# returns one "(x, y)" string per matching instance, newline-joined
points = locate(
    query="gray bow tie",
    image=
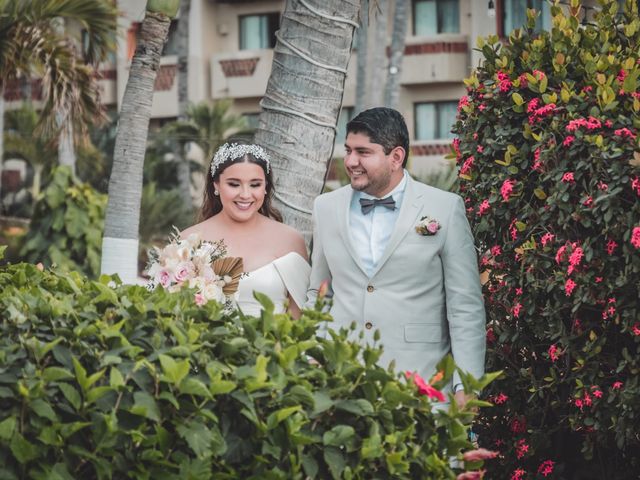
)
(367, 204)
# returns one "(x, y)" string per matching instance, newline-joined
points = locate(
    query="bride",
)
(237, 210)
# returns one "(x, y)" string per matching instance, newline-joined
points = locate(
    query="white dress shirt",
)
(370, 233)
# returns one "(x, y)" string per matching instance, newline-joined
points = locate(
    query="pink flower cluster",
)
(536, 113)
(507, 189)
(467, 166)
(635, 237)
(504, 82)
(624, 132)
(590, 124)
(518, 474)
(569, 139)
(463, 102)
(547, 238)
(568, 178)
(635, 185)
(537, 164)
(553, 353)
(484, 207)
(521, 448)
(546, 468)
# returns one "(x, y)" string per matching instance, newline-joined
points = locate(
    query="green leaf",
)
(192, 386)
(23, 450)
(71, 394)
(7, 426)
(3, 249)
(95, 394)
(43, 409)
(115, 378)
(338, 435)
(174, 371)
(360, 407)
(53, 374)
(197, 436)
(279, 415)
(146, 406)
(372, 447)
(335, 461)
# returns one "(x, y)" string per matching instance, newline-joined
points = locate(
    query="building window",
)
(258, 31)
(431, 17)
(346, 114)
(515, 15)
(434, 120)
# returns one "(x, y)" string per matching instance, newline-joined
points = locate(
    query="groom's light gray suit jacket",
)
(424, 294)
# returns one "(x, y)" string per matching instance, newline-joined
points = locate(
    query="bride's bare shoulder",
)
(289, 238)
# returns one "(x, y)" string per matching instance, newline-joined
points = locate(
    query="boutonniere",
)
(427, 226)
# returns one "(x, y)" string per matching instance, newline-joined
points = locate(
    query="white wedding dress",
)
(286, 275)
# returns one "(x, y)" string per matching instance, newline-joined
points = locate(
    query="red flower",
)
(553, 353)
(611, 247)
(516, 310)
(597, 393)
(467, 166)
(500, 399)
(484, 207)
(546, 238)
(496, 250)
(636, 329)
(480, 148)
(617, 385)
(621, 75)
(603, 186)
(518, 474)
(507, 189)
(424, 388)
(546, 468)
(518, 425)
(491, 336)
(588, 201)
(635, 237)
(635, 185)
(624, 132)
(568, 178)
(521, 448)
(463, 102)
(568, 140)
(569, 286)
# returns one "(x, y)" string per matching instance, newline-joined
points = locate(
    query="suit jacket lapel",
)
(407, 219)
(343, 211)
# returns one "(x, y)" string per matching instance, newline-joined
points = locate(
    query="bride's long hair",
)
(211, 204)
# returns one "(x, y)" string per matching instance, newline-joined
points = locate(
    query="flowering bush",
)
(553, 195)
(197, 264)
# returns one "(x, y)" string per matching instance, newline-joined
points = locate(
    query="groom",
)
(399, 256)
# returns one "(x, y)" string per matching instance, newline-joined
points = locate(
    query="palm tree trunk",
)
(378, 57)
(66, 146)
(37, 182)
(184, 173)
(1, 143)
(120, 241)
(303, 98)
(400, 20)
(362, 49)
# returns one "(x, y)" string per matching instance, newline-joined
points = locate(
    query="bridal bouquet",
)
(194, 263)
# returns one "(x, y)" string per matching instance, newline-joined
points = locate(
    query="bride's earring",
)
(216, 193)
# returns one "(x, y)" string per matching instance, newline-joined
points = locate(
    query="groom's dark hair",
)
(384, 126)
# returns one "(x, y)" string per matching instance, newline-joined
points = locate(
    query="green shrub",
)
(549, 168)
(66, 226)
(102, 382)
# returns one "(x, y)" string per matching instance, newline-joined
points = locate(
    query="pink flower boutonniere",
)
(427, 226)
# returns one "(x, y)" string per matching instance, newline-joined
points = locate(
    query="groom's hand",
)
(462, 398)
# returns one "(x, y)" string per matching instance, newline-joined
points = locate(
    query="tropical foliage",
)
(120, 382)
(66, 226)
(549, 165)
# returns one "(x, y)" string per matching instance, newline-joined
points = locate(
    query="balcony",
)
(437, 59)
(242, 74)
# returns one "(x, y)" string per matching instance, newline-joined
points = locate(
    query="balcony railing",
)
(241, 74)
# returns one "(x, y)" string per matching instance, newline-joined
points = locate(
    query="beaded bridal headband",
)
(230, 151)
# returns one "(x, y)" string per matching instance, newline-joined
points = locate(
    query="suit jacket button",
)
(370, 288)
(368, 325)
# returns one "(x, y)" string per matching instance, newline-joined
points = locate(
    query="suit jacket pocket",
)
(423, 333)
